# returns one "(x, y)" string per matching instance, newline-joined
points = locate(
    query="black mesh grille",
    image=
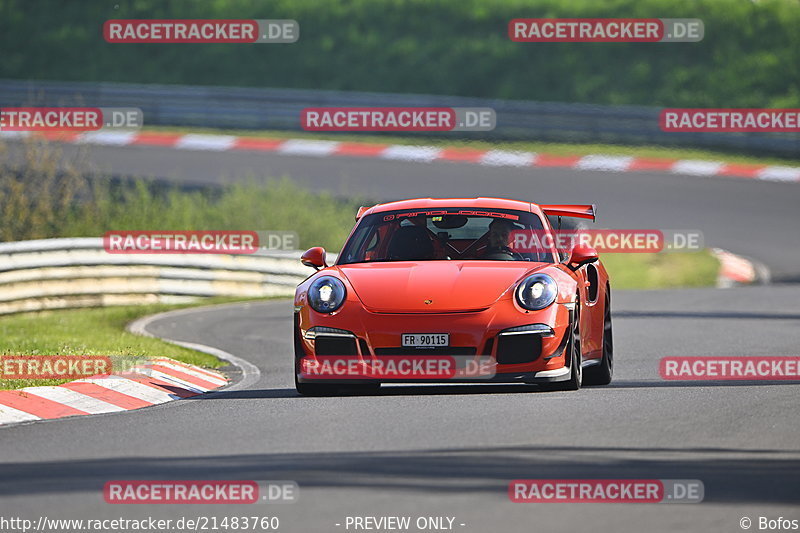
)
(514, 349)
(335, 346)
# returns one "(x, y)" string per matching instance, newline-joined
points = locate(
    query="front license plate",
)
(425, 340)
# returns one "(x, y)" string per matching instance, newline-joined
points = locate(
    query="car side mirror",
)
(581, 255)
(314, 257)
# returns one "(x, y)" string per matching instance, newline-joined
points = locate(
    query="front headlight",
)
(537, 292)
(326, 294)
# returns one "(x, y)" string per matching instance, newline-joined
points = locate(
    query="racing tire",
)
(602, 373)
(575, 358)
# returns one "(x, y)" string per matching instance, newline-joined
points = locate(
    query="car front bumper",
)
(525, 346)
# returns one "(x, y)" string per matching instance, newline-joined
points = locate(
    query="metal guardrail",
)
(279, 109)
(65, 273)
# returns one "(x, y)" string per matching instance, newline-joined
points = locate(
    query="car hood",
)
(446, 286)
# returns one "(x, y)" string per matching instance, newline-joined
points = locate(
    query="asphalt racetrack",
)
(452, 450)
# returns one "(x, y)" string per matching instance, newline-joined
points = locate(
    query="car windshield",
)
(441, 235)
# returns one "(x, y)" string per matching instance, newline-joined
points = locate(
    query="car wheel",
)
(573, 357)
(602, 373)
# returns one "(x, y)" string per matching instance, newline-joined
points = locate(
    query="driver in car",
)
(499, 238)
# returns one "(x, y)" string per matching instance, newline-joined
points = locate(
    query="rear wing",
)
(579, 211)
(361, 211)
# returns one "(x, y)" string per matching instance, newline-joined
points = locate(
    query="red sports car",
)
(440, 290)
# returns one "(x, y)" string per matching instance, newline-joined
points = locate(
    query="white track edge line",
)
(250, 372)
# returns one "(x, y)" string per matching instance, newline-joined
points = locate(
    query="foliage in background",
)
(750, 56)
(34, 204)
(43, 202)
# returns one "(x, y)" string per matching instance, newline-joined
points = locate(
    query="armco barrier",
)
(63, 273)
(279, 109)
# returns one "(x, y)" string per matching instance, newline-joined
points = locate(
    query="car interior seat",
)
(410, 243)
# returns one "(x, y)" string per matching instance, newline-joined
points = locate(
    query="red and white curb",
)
(737, 270)
(425, 154)
(157, 381)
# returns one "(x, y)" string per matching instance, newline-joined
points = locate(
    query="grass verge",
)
(99, 331)
(662, 271)
(563, 149)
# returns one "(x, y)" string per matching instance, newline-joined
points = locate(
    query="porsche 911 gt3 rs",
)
(436, 279)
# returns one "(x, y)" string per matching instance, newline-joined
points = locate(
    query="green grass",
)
(564, 149)
(91, 332)
(662, 270)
